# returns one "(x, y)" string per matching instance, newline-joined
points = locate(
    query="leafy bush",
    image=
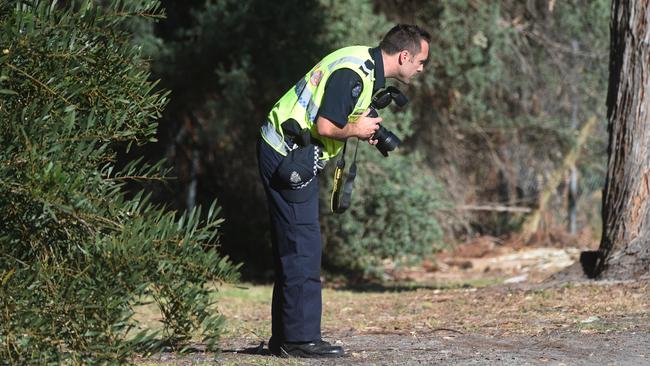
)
(392, 215)
(76, 253)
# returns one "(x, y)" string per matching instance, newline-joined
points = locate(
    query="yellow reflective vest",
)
(303, 100)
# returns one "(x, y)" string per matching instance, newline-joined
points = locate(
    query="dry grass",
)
(472, 301)
(487, 310)
(522, 312)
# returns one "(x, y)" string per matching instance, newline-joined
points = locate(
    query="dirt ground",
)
(483, 304)
(556, 348)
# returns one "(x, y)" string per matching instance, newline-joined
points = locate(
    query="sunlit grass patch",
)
(247, 309)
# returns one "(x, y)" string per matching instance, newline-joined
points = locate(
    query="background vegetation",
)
(490, 122)
(95, 93)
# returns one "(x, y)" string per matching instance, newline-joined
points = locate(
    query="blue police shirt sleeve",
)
(341, 94)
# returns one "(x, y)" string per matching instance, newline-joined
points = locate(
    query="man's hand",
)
(363, 128)
(367, 126)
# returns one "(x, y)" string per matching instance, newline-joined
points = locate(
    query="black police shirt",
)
(343, 89)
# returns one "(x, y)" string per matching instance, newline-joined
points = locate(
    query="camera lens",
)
(387, 141)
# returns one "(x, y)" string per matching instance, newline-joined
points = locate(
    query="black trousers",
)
(295, 231)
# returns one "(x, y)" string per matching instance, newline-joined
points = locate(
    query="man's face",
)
(411, 64)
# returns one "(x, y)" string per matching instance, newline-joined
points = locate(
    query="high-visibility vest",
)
(303, 100)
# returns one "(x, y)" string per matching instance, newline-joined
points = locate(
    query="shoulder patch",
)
(356, 91)
(315, 77)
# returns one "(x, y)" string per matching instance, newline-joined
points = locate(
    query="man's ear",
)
(403, 56)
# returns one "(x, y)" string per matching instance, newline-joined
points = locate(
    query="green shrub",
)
(392, 215)
(77, 254)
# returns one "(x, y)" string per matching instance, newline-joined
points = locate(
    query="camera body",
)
(386, 140)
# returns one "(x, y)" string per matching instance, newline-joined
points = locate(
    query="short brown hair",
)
(404, 37)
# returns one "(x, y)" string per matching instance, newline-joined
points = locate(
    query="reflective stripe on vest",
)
(303, 100)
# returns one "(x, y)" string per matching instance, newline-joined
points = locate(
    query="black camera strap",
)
(341, 198)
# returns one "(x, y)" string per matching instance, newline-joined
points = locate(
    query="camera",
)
(386, 140)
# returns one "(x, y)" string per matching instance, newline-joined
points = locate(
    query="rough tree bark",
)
(624, 251)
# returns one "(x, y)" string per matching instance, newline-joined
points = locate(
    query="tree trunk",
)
(624, 251)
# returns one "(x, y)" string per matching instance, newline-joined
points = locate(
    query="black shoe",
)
(315, 349)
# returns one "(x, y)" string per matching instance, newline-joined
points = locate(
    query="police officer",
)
(304, 129)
